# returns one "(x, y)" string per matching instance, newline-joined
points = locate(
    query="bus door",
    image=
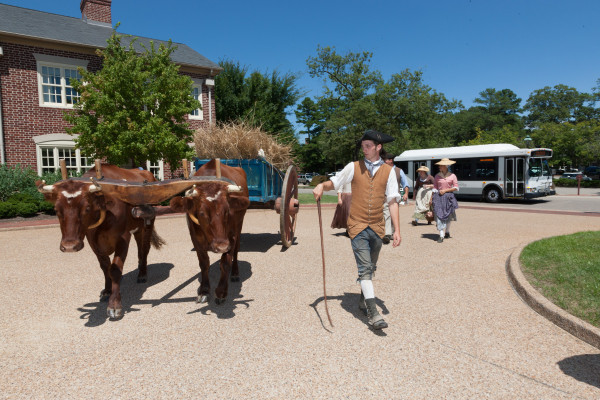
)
(514, 176)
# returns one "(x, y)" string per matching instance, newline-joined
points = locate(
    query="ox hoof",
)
(235, 279)
(203, 298)
(219, 301)
(142, 279)
(114, 313)
(104, 295)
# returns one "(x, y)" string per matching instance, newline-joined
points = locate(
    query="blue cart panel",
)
(264, 180)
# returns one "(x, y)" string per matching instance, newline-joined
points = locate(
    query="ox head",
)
(209, 207)
(79, 206)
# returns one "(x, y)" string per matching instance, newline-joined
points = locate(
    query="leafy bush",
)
(46, 207)
(318, 179)
(8, 210)
(26, 209)
(16, 180)
(564, 182)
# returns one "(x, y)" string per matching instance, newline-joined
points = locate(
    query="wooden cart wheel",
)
(289, 206)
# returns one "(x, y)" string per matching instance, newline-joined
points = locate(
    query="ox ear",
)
(49, 191)
(239, 202)
(178, 204)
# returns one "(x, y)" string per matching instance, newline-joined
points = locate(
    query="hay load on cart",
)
(263, 159)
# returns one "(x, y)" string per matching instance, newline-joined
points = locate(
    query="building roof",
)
(41, 25)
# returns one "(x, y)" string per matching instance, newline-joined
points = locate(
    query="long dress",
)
(340, 217)
(423, 198)
(444, 206)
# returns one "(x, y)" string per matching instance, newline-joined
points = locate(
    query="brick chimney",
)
(96, 10)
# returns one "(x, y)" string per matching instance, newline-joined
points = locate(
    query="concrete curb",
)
(575, 326)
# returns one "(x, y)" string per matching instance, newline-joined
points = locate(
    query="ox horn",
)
(95, 187)
(234, 188)
(100, 221)
(193, 218)
(191, 192)
(43, 188)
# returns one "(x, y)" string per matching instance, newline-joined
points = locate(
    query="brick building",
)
(39, 54)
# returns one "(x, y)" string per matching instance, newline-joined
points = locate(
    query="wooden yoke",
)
(63, 169)
(186, 169)
(218, 168)
(98, 169)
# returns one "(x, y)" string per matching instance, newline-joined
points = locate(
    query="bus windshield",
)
(539, 167)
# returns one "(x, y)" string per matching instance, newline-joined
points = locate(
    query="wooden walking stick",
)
(323, 257)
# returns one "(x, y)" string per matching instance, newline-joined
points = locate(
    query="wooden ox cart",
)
(268, 187)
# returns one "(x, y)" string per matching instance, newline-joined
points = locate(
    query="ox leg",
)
(142, 238)
(115, 308)
(105, 265)
(222, 288)
(204, 289)
(235, 270)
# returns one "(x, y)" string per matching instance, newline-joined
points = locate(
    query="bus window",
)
(535, 167)
(462, 169)
(486, 169)
(546, 171)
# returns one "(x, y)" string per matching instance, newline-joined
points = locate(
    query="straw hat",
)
(445, 161)
(423, 168)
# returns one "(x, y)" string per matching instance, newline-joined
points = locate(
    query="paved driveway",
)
(457, 329)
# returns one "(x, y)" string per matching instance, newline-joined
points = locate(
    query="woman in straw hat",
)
(444, 202)
(424, 185)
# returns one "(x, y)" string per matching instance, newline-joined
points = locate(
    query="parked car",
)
(593, 172)
(573, 175)
(305, 179)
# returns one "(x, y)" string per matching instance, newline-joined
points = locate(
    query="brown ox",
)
(215, 214)
(83, 210)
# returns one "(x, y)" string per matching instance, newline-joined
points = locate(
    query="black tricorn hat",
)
(376, 137)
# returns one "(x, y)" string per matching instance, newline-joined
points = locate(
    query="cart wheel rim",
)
(287, 219)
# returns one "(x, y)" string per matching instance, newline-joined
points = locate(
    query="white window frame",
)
(197, 84)
(45, 60)
(55, 142)
(161, 169)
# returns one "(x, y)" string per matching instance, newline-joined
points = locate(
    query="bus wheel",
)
(492, 195)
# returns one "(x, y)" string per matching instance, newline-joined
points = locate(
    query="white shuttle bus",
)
(490, 171)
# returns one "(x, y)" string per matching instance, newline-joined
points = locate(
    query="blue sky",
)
(462, 46)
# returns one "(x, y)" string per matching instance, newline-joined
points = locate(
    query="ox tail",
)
(156, 241)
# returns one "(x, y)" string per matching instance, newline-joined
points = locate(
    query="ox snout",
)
(71, 246)
(220, 246)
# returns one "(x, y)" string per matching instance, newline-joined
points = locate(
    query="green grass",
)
(566, 270)
(308, 198)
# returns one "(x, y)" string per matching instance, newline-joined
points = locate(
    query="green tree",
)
(134, 108)
(257, 98)
(559, 104)
(574, 144)
(494, 116)
(357, 98)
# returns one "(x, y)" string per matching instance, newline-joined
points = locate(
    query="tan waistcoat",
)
(368, 196)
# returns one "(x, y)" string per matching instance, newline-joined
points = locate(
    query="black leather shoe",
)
(386, 239)
(447, 235)
(440, 239)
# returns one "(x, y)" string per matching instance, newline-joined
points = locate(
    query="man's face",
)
(370, 150)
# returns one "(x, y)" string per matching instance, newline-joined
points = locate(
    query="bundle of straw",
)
(239, 140)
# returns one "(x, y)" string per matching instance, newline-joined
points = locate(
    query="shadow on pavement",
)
(227, 309)
(585, 368)
(259, 242)
(131, 293)
(430, 236)
(349, 302)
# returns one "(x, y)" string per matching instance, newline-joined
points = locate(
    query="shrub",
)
(27, 209)
(318, 179)
(47, 208)
(15, 180)
(8, 210)
(564, 182)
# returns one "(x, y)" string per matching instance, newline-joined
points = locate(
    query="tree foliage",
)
(256, 98)
(134, 108)
(559, 104)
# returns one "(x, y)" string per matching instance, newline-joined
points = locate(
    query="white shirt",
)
(347, 175)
